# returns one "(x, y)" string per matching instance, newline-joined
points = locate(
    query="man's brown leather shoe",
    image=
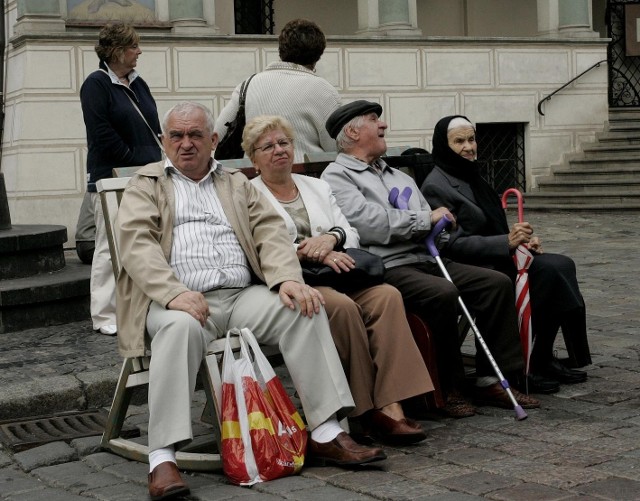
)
(342, 451)
(165, 482)
(400, 432)
(496, 396)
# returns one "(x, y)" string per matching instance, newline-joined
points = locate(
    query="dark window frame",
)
(501, 155)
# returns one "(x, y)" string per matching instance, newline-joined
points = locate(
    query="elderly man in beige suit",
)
(202, 251)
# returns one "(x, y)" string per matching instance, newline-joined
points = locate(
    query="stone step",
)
(604, 176)
(604, 162)
(542, 205)
(618, 137)
(614, 199)
(611, 150)
(590, 179)
(30, 249)
(621, 174)
(624, 113)
(581, 185)
(46, 299)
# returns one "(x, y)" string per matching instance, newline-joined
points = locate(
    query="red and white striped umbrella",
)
(522, 259)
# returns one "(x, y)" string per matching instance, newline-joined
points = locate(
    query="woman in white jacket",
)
(369, 326)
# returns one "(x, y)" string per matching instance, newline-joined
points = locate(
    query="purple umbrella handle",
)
(435, 231)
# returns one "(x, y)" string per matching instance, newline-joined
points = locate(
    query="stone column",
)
(574, 19)
(388, 17)
(188, 16)
(565, 19)
(39, 16)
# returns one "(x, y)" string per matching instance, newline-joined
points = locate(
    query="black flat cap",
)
(345, 113)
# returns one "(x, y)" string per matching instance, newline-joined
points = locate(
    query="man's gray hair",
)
(185, 108)
(344, 142)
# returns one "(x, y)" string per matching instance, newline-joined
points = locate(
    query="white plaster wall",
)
(417, 81)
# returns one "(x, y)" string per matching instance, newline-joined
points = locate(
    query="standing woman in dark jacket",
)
(114, 101)
(482, 237)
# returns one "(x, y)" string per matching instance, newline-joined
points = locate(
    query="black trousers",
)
(488, 294)
(556, 303)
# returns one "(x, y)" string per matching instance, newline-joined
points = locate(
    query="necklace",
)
(288, 196)
(296, 194)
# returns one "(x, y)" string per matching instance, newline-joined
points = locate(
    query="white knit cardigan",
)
(294, 92)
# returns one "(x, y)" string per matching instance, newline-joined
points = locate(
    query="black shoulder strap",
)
(243, 90)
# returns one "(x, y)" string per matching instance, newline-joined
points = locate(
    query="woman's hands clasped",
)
(316, 249)
(522, 233)
(339, 261)
(320, 250)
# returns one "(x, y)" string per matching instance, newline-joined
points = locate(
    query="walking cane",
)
(400, 201)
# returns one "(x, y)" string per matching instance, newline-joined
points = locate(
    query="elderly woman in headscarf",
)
(483, 237)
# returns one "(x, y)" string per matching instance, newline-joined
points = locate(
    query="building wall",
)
(417, 83)
(417, 80)
(477, 18)
(323, 13)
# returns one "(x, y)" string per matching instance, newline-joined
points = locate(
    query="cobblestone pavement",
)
(582, 444)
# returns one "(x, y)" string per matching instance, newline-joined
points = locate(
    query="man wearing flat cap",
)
(361, 182)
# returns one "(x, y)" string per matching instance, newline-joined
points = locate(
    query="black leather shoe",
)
(559, 372)
(534, 383)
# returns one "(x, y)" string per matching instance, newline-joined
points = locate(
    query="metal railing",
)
(548, 98)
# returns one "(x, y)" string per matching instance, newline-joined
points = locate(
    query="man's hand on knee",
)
(307, 297)
(193, 303)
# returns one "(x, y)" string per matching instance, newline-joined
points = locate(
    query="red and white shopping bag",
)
(263, 436)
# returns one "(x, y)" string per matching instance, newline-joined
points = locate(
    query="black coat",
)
(116, 133)
(556, 300)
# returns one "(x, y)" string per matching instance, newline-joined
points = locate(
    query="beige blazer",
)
(145, 227)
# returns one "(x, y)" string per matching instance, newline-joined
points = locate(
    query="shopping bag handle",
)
(247, 338)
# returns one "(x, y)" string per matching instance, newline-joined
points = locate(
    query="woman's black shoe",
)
(537, 384)
(554, 369)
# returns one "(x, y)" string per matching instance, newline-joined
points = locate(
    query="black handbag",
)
(230, 145)
(369, 271)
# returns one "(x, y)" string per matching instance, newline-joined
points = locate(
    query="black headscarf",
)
(469, 171)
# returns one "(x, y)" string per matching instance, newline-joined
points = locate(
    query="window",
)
(501, 155)
(253, 17)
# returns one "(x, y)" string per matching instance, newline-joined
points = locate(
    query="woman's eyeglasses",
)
(270, 147)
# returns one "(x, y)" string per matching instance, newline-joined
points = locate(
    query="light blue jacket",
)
(362, 193)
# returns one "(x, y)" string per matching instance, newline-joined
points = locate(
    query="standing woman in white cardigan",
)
(368, 326)
(291, 88)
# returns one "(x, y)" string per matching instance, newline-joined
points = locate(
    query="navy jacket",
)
(116, 134)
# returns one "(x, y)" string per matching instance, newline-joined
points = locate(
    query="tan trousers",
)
(376, 347)
(178, 344)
